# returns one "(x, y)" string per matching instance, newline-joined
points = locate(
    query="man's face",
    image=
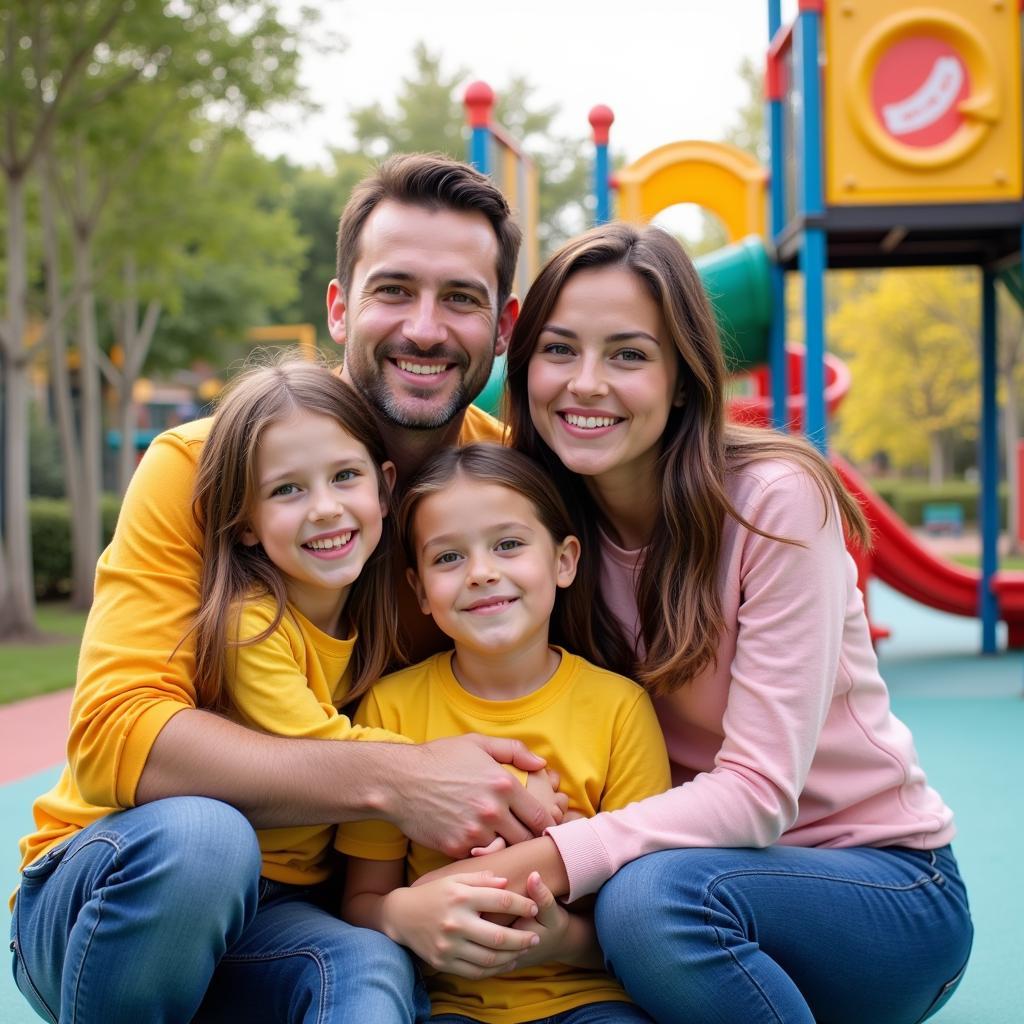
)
(419, 321)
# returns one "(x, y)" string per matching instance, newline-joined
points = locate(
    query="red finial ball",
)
(601, 118)
(478, 100)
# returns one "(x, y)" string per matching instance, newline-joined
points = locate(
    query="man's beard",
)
(395, 411)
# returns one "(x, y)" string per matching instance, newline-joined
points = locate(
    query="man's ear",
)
(417, 589)
(506, 321)
(568, 559)
(336, 312)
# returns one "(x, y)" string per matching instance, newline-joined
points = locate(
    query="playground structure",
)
(895, 141)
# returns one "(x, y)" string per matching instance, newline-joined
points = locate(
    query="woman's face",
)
(604, 377)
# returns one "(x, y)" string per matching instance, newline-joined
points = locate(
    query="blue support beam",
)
(479, 149)
(777, 363)
(988, 607)
(813, 251)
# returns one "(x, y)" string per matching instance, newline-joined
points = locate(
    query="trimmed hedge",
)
(51, 541)
(909, 497)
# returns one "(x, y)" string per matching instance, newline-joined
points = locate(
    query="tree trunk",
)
(936, 458)
(90, 420)
(60, 387)
(18, 600)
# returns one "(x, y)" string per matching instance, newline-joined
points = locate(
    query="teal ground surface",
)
(967, 715)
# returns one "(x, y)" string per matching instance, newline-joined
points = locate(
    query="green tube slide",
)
(737, 280)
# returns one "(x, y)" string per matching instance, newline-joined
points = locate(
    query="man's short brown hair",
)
(433, 182)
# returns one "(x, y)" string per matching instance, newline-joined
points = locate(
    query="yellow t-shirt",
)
(147, 594)
(597, 729)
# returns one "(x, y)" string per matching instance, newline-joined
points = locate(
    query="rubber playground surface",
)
(967, 715)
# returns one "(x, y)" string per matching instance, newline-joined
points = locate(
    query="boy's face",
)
(487, 568)
(419, 320)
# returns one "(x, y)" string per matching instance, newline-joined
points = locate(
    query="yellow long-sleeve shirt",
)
(147, 593)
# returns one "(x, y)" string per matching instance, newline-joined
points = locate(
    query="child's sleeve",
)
(269, 690)
(638, 767)
(371, 840)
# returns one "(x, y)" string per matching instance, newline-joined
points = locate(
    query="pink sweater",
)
(789, 739)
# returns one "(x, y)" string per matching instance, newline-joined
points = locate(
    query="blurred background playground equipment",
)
(895, 141)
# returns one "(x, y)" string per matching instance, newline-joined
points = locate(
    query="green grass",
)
(1015, 562)
(27, 670)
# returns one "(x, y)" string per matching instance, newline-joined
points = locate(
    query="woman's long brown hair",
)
(677, 593)
(225, 495)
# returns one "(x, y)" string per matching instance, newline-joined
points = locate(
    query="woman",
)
(800, 868)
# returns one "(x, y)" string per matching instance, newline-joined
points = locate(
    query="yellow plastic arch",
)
(714, 175)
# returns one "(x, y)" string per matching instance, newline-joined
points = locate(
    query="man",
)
(126, 916)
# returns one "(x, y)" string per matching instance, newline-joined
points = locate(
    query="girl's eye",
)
(509, 544)
(344, 475)
(557, 348)
(447, 558)
(283, 490)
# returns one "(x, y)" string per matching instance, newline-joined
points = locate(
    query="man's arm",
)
(450, 795)
(136, 735)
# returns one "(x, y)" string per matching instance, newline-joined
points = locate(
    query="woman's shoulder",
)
(752, 480)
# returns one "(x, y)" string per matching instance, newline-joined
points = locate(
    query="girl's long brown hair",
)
(677, 594)
(506, 467)
(225, 495)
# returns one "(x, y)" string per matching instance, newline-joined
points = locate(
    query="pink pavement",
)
(35, 734)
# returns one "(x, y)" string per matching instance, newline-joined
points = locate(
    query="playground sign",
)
(929, 93)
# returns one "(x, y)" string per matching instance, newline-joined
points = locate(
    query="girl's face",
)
(317, 511)
(487, 569)
(604, 376)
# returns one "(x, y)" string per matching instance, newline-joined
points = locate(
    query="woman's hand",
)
(441, 922)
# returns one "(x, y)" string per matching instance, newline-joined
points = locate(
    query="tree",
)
(74, 104)
(429, 116)
(912, 347)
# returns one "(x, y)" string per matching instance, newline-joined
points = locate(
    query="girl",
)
(800, 869)
(490, 542)
(296, 619)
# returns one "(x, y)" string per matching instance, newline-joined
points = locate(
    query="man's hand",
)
(457, 796)
(544, 786)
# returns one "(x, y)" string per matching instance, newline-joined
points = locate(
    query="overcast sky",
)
(667, 69)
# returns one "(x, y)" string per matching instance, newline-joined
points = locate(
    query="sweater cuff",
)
(137, 745)
(586, 860)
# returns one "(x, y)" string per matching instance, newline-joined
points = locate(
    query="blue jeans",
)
(134, 917)
(606, 1012)
(787, 935)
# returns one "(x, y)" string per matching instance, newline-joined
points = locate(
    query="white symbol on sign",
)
(933, 99)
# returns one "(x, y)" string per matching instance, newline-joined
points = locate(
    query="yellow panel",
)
(718, 177)
(922, 102)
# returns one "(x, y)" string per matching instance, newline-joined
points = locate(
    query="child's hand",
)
(441, 922)
(551, 924)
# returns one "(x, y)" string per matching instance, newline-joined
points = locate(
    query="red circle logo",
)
(916, 91)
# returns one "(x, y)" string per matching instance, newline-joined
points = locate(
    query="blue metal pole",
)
(988, 606)
(479, 149)
(602, 190)
(813, 250)
(777, 362)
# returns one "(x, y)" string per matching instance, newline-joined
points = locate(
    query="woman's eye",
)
(510, 544)
(557, 348)
(631, 355)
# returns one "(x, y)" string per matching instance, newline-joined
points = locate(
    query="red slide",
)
(897, 558)
(900, 560)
